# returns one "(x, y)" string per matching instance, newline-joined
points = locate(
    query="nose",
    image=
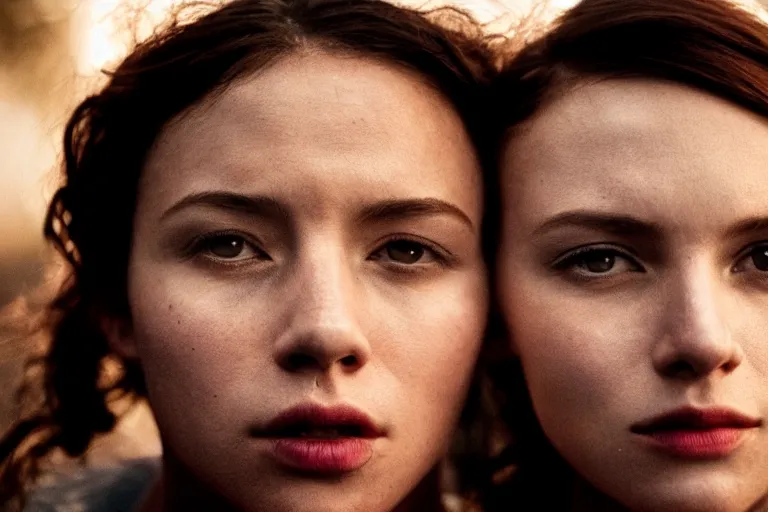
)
(322, 330)
(696, 340)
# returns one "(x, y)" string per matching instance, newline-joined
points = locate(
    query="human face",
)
(634, 282)
(310, 238)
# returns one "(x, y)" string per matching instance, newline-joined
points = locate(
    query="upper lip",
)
(692, 418)
(293, 421)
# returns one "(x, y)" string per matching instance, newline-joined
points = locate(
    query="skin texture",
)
(673, 312)
(314, 300)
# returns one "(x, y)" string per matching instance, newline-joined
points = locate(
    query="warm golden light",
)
(113, 25)
(756, 7)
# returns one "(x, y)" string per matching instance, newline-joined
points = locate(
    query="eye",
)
(755, 258)
(597, 262)
(229, 247)
(405, 252)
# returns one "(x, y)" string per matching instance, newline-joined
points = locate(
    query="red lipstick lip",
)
(691, 418)
(316, 416)
(690, 432)
(348, 448)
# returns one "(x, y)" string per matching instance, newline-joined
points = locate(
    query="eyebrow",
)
(399, 209)
(262, 206)
(269, 207)
(747, 226)
(600, 221)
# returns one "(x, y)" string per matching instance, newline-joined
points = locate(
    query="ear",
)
(119, 334)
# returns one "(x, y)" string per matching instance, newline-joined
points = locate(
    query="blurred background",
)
(51, 55)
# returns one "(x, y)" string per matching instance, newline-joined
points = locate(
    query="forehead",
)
(648, 148)
(332, 120)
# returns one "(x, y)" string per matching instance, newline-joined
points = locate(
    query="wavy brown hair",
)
(106, 142)
(714, 46)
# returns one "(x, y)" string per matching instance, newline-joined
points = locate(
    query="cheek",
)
(195, 344)
(192, 338)
(583, 361)
(431, 350)
(563, 367)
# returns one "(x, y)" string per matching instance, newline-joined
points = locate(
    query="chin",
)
(315, 498)
(307, 505)
(700, 496)
(682, 503)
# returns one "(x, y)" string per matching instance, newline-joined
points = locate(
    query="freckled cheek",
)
(194, 343)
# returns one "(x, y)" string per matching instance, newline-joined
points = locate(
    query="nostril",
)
(300, 361)
(681, 370)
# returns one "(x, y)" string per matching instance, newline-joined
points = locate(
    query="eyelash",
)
(747, 253)
(442, 257)
(199, 245)
(568, 261)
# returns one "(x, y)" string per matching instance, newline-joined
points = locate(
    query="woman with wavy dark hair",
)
(272, 217)
(633, 261)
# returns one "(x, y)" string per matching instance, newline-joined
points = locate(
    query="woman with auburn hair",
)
(272, 217)
(632, 270)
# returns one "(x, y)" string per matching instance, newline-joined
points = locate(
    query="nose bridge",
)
(324, 286)
(696, 337)
(699, 305)
(322, 325)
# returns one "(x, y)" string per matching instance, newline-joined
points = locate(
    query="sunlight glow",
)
(110, 25)
(755, 7)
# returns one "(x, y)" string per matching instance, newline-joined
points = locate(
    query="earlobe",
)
(119, 334)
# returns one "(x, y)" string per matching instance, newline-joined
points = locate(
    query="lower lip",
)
(330, 456)
(711, 443)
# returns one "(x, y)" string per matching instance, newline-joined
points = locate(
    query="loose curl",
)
(106, 142)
